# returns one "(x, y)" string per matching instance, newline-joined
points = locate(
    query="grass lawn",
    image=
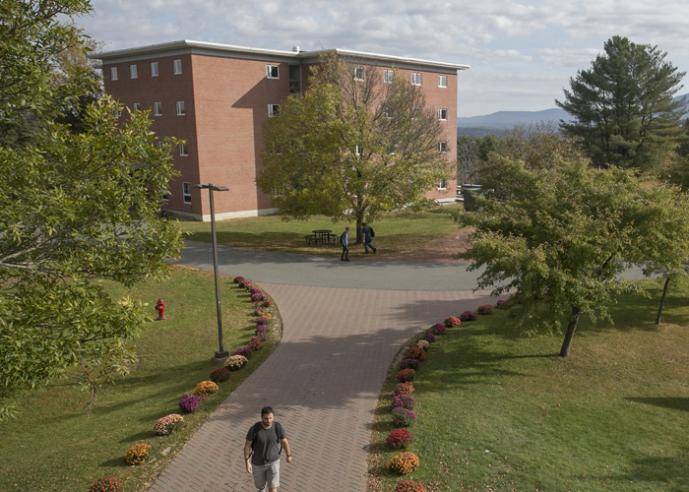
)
(55, 445)
(397, 233)
(498, 412)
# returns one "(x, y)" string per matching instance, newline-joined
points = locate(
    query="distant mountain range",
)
(501, 122)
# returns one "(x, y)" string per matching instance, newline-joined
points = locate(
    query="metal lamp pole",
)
(221, 353)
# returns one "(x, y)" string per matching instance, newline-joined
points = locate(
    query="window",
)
(113, 73)
(133, 72)
(183, 150)
(186, 192)
(177, 64)
(442, 114)
(442, 184)
(157, 109)
(442, 81)
(273, 110)
(136, 106)
(359, 73)
(387, 76)
(154, 69)
(180, 108)
(442, 146)
(272, 72)
(416, 78)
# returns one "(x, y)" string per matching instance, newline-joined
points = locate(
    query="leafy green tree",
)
(558, 237)
(351, 148)
(81, 193)
(623, 106)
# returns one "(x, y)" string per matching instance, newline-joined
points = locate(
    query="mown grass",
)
(500, 412)
(395, 233)
(55, 445)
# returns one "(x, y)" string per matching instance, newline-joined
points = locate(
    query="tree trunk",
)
(359, 230)
(571, 328)
(662, 299)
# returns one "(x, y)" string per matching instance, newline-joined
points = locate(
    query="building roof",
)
(216, 49)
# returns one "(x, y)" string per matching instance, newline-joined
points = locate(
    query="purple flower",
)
(244, 350)
(439, 329)
(429, 336)
(189, 403)
(409, 364)
(468, 316)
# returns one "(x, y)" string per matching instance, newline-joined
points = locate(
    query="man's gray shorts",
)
(268, 474)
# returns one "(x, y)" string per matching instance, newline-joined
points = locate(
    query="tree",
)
(623, 106)
(81, 199)
(557, 237)
(351, 148)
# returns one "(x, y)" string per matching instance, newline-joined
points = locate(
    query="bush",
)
(406, 375)
(106, 484)
(409, 364)
(244, 350)
(403, 401)
(398, 438)
(188, 403)
(410, 486)
(255, 343)
(404, 463)
(423, 344)
(415, 352)
(402, 417)
(206, 388)
(235, 362)
(219, 375)
(452, 321)
(468, 316)
(138, 453)
(166, 425)
(267, 303)
(239, 280)
(258, 297)
(261, 321)
(485, 309)
(429, 336)
(262, 332)
(404, 388)
(439, 329)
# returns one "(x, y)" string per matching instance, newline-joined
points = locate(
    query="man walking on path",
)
(264, 442)
(368, 238)
(344, 242)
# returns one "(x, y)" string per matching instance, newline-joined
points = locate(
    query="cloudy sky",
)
(521, 53)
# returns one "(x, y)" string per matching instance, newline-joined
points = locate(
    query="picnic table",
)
(321, 236)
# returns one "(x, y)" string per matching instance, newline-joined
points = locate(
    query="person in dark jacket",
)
(264, 443)
(368, 238)
(344, 242)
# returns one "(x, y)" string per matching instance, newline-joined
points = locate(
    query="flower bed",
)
(402, 417)
(166, 425)
(404, 388)
(423, 344)
(206, 388)
(138, 453)
(468, 316)
(106, 484)
(485, 309)
(244, 350)
(409, 364)
(410, 486)
(189, 403)
(452, 321)
(235, 362)
(404, 401)
(219, 375)
(399, 438)
(406, 375)
(439, 329)
(403, 463)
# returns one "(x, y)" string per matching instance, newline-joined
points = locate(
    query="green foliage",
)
(623, 106)
(351, 148)
(559, 237)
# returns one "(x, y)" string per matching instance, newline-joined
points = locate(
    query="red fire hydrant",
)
(160, 307)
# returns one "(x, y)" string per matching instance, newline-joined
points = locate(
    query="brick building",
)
(218, 97)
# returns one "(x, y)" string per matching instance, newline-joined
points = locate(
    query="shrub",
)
(406, 375)
(267, 303)
(468, 316)
(259, 312)
(484, 309)
(244, 350)
(262, 332)
(410, 486)
(206, 388)
(398, 438)
(235, 362)
(404, 463)
(439, 329)
(255, 343)
(219, 375)
(261, 321)
(190, 402)
(138, 453)
(409, 364)
(166, 425)
(423, 344)
(404, 388)
(255, 290)
(452, 321)
(257, 298)
(415, 352)
(429, 336)
(239, 280)
(403, 401)
(403, 417)
(106, 484)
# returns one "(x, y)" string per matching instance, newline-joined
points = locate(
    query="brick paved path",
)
(323, 381)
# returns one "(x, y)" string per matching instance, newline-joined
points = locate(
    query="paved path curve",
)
(343, 324)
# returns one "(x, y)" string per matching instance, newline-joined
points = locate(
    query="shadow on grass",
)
(139, 436)
(676, 403)
(114, 462)
(669, 473)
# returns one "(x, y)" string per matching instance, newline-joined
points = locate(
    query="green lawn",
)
(55, 445)
(498, 412)
(395, 233)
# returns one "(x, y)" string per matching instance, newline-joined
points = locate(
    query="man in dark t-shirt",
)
(264, 442)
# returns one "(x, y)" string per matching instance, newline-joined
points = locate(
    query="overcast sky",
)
(521, 54)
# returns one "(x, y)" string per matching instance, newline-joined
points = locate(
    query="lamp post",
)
(221, 353)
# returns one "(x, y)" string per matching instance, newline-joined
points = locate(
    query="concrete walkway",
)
(343, 324)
